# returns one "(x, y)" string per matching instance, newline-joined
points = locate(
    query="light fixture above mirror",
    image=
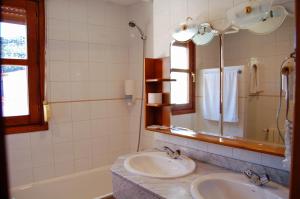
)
(200, 34)
(205, 34)
(249, 13)
(272, 23)
(186, 31)
(258, 16)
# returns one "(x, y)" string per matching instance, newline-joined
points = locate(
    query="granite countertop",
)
(177, 188)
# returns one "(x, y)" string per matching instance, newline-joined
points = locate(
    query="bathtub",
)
(92, 184)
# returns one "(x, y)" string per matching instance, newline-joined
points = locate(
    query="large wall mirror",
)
(252, 80)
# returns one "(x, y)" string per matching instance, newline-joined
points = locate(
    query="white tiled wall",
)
(82, 136)
(142, 15)
(90, 52)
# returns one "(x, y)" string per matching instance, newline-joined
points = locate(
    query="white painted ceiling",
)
(126, 2)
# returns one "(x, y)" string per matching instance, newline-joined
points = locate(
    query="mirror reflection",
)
(257, 83)
(207, 62)
(256, 73)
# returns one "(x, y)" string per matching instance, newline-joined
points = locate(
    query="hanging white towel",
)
(230, 96)
(254, 79)
(211, 94)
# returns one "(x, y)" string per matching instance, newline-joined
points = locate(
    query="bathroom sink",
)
(237, 186)
(159, 165)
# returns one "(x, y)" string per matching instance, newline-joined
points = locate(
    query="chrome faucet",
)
(172, 154)
(257, 179)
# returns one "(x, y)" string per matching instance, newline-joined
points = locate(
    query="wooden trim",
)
(18, 62)
(4, 187)
(295, 171)
(4, 193)
(41, 48)
(183, 110)
(231, 142)
(19, 120)
(26, 128)
(179, 109)
(17, 15)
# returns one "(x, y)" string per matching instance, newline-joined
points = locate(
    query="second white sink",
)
(234, 186)
(159, 165)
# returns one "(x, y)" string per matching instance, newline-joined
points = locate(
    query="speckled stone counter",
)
(127, 185)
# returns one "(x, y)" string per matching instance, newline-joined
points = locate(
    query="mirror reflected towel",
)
(230, 96)
(211, 93)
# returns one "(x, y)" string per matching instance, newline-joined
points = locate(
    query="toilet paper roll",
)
(155, 98)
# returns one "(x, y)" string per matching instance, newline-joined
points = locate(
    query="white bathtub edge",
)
(54, 179)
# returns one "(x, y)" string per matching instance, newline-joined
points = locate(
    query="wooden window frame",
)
(180, 109)
(35, 62)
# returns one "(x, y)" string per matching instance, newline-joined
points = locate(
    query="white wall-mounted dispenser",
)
(129, 88)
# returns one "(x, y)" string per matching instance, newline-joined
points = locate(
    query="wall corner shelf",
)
(157, 76)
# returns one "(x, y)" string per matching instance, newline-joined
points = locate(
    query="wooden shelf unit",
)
(155, 82)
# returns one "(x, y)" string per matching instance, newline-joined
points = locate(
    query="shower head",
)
(132, 24)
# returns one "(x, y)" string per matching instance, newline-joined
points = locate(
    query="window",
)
(22, 64)
(183, 70)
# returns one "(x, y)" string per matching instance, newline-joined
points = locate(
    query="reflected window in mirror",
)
(183, 70)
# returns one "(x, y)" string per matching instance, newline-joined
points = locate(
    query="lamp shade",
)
(203, 39)
(205, 34)
(274, 21)
(185, 32)
(249, 13)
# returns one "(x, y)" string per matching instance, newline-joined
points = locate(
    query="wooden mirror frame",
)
(295, 171)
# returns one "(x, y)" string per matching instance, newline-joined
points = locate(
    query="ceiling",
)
(126, 2)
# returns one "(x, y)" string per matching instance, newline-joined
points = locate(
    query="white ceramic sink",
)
(234, 186)
(159, 165)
